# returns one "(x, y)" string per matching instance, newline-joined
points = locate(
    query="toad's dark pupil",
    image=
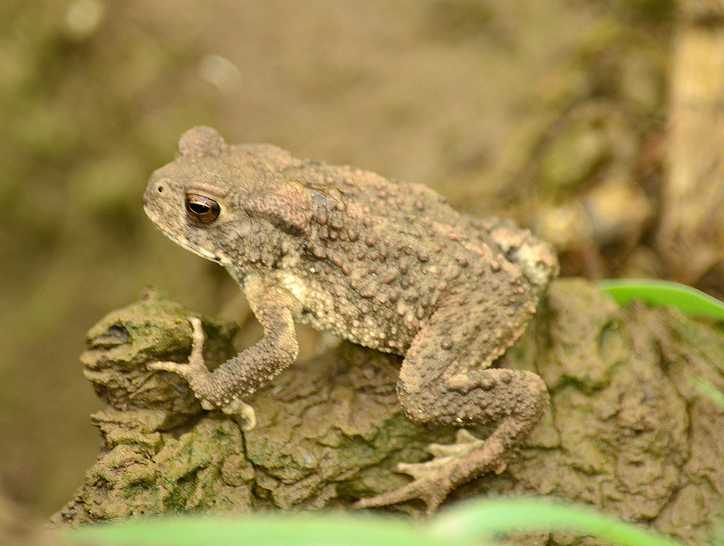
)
(199, 208)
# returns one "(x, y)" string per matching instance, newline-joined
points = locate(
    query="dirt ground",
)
(534, 109)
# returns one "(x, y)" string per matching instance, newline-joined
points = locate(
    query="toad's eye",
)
(201, 209)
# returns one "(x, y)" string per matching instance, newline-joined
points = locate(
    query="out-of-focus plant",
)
(688, 300)
(477, 522)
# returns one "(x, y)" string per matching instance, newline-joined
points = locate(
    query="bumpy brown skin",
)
(386, 265)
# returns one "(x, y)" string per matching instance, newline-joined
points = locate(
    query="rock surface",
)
(629, 430)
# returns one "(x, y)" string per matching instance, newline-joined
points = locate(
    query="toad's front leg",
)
(255, 366)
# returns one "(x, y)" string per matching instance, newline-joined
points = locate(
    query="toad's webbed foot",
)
(433, 480)
(199, 376)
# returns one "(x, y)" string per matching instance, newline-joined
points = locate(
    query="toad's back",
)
(381, 256)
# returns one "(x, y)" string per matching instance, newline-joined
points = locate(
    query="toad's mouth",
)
(150, 212)
(181, 239)
(199, 251)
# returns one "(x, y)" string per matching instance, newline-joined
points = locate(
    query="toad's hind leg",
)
(445, 379)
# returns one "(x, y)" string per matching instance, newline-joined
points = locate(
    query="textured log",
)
(628, 430)
(691, 237)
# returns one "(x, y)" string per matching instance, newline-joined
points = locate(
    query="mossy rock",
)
(628, 431)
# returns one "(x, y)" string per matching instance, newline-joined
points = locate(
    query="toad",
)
(387, 265)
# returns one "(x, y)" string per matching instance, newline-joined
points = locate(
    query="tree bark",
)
(628, 430)
(691, 235)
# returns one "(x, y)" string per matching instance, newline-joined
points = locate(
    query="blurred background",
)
(597, 123)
